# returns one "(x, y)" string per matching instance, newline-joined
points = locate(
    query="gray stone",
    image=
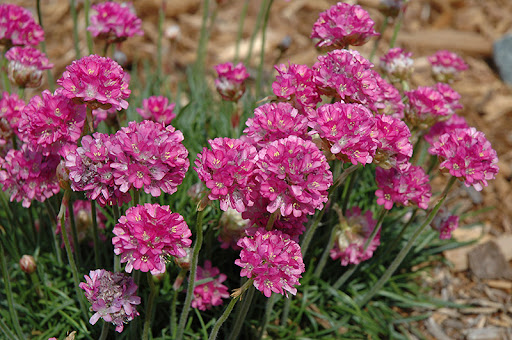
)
(503, 57)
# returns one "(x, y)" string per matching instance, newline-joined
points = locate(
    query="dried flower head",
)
(232, 227)
(26, 66)
(18, 27)
(230, 82)
(114, 22)
(158, 109)
(211, 293)
(397, 64)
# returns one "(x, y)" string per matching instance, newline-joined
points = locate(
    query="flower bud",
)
(185, 261)
(28, 264)
(63, 175)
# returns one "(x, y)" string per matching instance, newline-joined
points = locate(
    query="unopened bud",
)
(184, 262)
(28, 264)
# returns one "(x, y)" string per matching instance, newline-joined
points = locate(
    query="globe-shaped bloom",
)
(114, 22)
(26, 66)
(427, 106)
(18, 27)
(158, 109)
(446, 126)
(393, 146)
(211, 293)
(11, 107)
(397, 64)
(230, 82)
(446, 65)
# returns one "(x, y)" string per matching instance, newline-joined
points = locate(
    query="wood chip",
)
(499, 284)
(436, 330)
(479, 310)
(486, 333)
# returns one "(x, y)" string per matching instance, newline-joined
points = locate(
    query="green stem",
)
(5, 78)
(379, 38)
(76, 39)
(13, 224)
(341, 178)
(174, 318)
(104, 330)
(255, 32)
(105, 49)
(203, 40)
(240, 32)
(325, 254)
(87, 6)
(53, 216)
(8, 292)
(74, 232)
(161, 19)
(259, 76)
(43, 45)
(396, 241)
(153, 291)
(401, 255)
(268, 311)
(95, 234)
(192, 277)
(117, 260)
(242, 312)
(136, 197)
(398, 24)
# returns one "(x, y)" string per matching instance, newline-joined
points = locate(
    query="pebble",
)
(503, 57)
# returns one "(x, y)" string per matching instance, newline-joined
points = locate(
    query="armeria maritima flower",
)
(18, 27)
(272, 260)
(445, 223)
(114, 22)
(342, 25)
(446, 66)
(112, 296)
(397, 64)
(352, 234)
(407, 186)
(11, 107)
(467, 155)
(211, 293)
(393, 146)
(446, 126)
(148, 235)
(97, 81)
(427, 106)
(26, 66)
(230, 82)
(158, 109)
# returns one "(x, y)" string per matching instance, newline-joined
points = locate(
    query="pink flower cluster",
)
(230, 82)
(18, 27)
(445, 223)
(446, 126)
(342, 25)
(209, 294)
(397, 64)
(112, 296)
(26, 66)
(393, 146)
(114, 22)
(446, 65)
(158, 109)
(467, 155)
(403, 186)
(97, 81)
(352, 235)
(11, 107)
(148, 235)
(272, 260)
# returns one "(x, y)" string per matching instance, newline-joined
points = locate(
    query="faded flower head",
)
(28, 264)
(211, 293)
(446, 66)
(445, 223)
(397, 64)
(26, 66)
(392, 8)
(158, 109)
(232, 227)
(230, 82)
(148, 235)
(18, 27)
(114, 22)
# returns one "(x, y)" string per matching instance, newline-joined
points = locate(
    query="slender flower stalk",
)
(398, 25)
(76, 39)
(87, 7)
(240, 32)
(117, 259)
(8, 292)
(257, 26)
(203, 39)
(74, 232)
(268, 310)
(153, 291)
(51, 81)
(95, 234)
(385, 24)
(259, 76)
(104, 330)
(52, 215)
(241, 313)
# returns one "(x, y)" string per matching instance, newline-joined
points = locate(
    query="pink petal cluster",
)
(342, 25)
(209, 294)
(226, 170)
(445, 223)
(393, 146)
(467, 155)
(97, 81)
(18, 27)
(446, 126)
(397, 64)
(272, 260)
(11, 107)
(451, 96)
(158, 109)
(6, 134)
(230, 82)
(403, 186)
(114, 22)
(26, 66)
(274, 121)
(29, 175)
(293, 174)
(446, 65)
(149, 154)
(112, 296)
(426, 106)
(352, 235)
(148, 235)
(294, 83)
(51, 121)
(348, 130)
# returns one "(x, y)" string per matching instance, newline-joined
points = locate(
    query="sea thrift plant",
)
(446, 66)
(445, 223)
(397, 64)
(112, 297)
(211, 293)
(158, 109)
(26, 66)
(393, 146)
(18, 27)
(272, 260)
(426, 106)
(11, 107)
(148, 235)
(230, 82)
(114, 22)
(343, 25)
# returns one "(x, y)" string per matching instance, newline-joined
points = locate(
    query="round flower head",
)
(114, 22)
(351, 236)
(347, 130)
(112, 296)
(209, 294)
(158, 109)
(225, 169)
(397, 64)
(29, 175)
(11, 107)
(147, 235)
(26, 66)
(97, 81)
(230, 82)
(467, 155)
(426, 106)
(272, 260)
(18, 27)
(389, 101)
(151, 155)
(446, 66)
(447, 126)
(274, 121)
(6, 134)
(293, 174)
(342, 25)
(51, 121)
(403, 186)
(451, 96)
(393, 146)
(445, 223)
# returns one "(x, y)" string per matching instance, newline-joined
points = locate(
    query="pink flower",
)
(226, 169)
(231, 80)
(393, 146)
(112, 296)
(445, 223)
(26, 66)
(404, 186)
(274, 121)
(272, 260)
(342, 25)
(209, 294)
(426, 106)
(18, 27)
(11, 107)
(293, 174)
(467, 155)
(348, 130)
(29, 175)
(147, 235)
(351, 236)
(51, 121)
(447, 126)
(158, 109)
(446, 65)
(97, 81)
(114, 22)
(397, 64)
(6, 135)
(451, 96)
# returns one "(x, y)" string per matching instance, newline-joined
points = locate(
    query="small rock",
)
(486, 261)
(503, 57)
